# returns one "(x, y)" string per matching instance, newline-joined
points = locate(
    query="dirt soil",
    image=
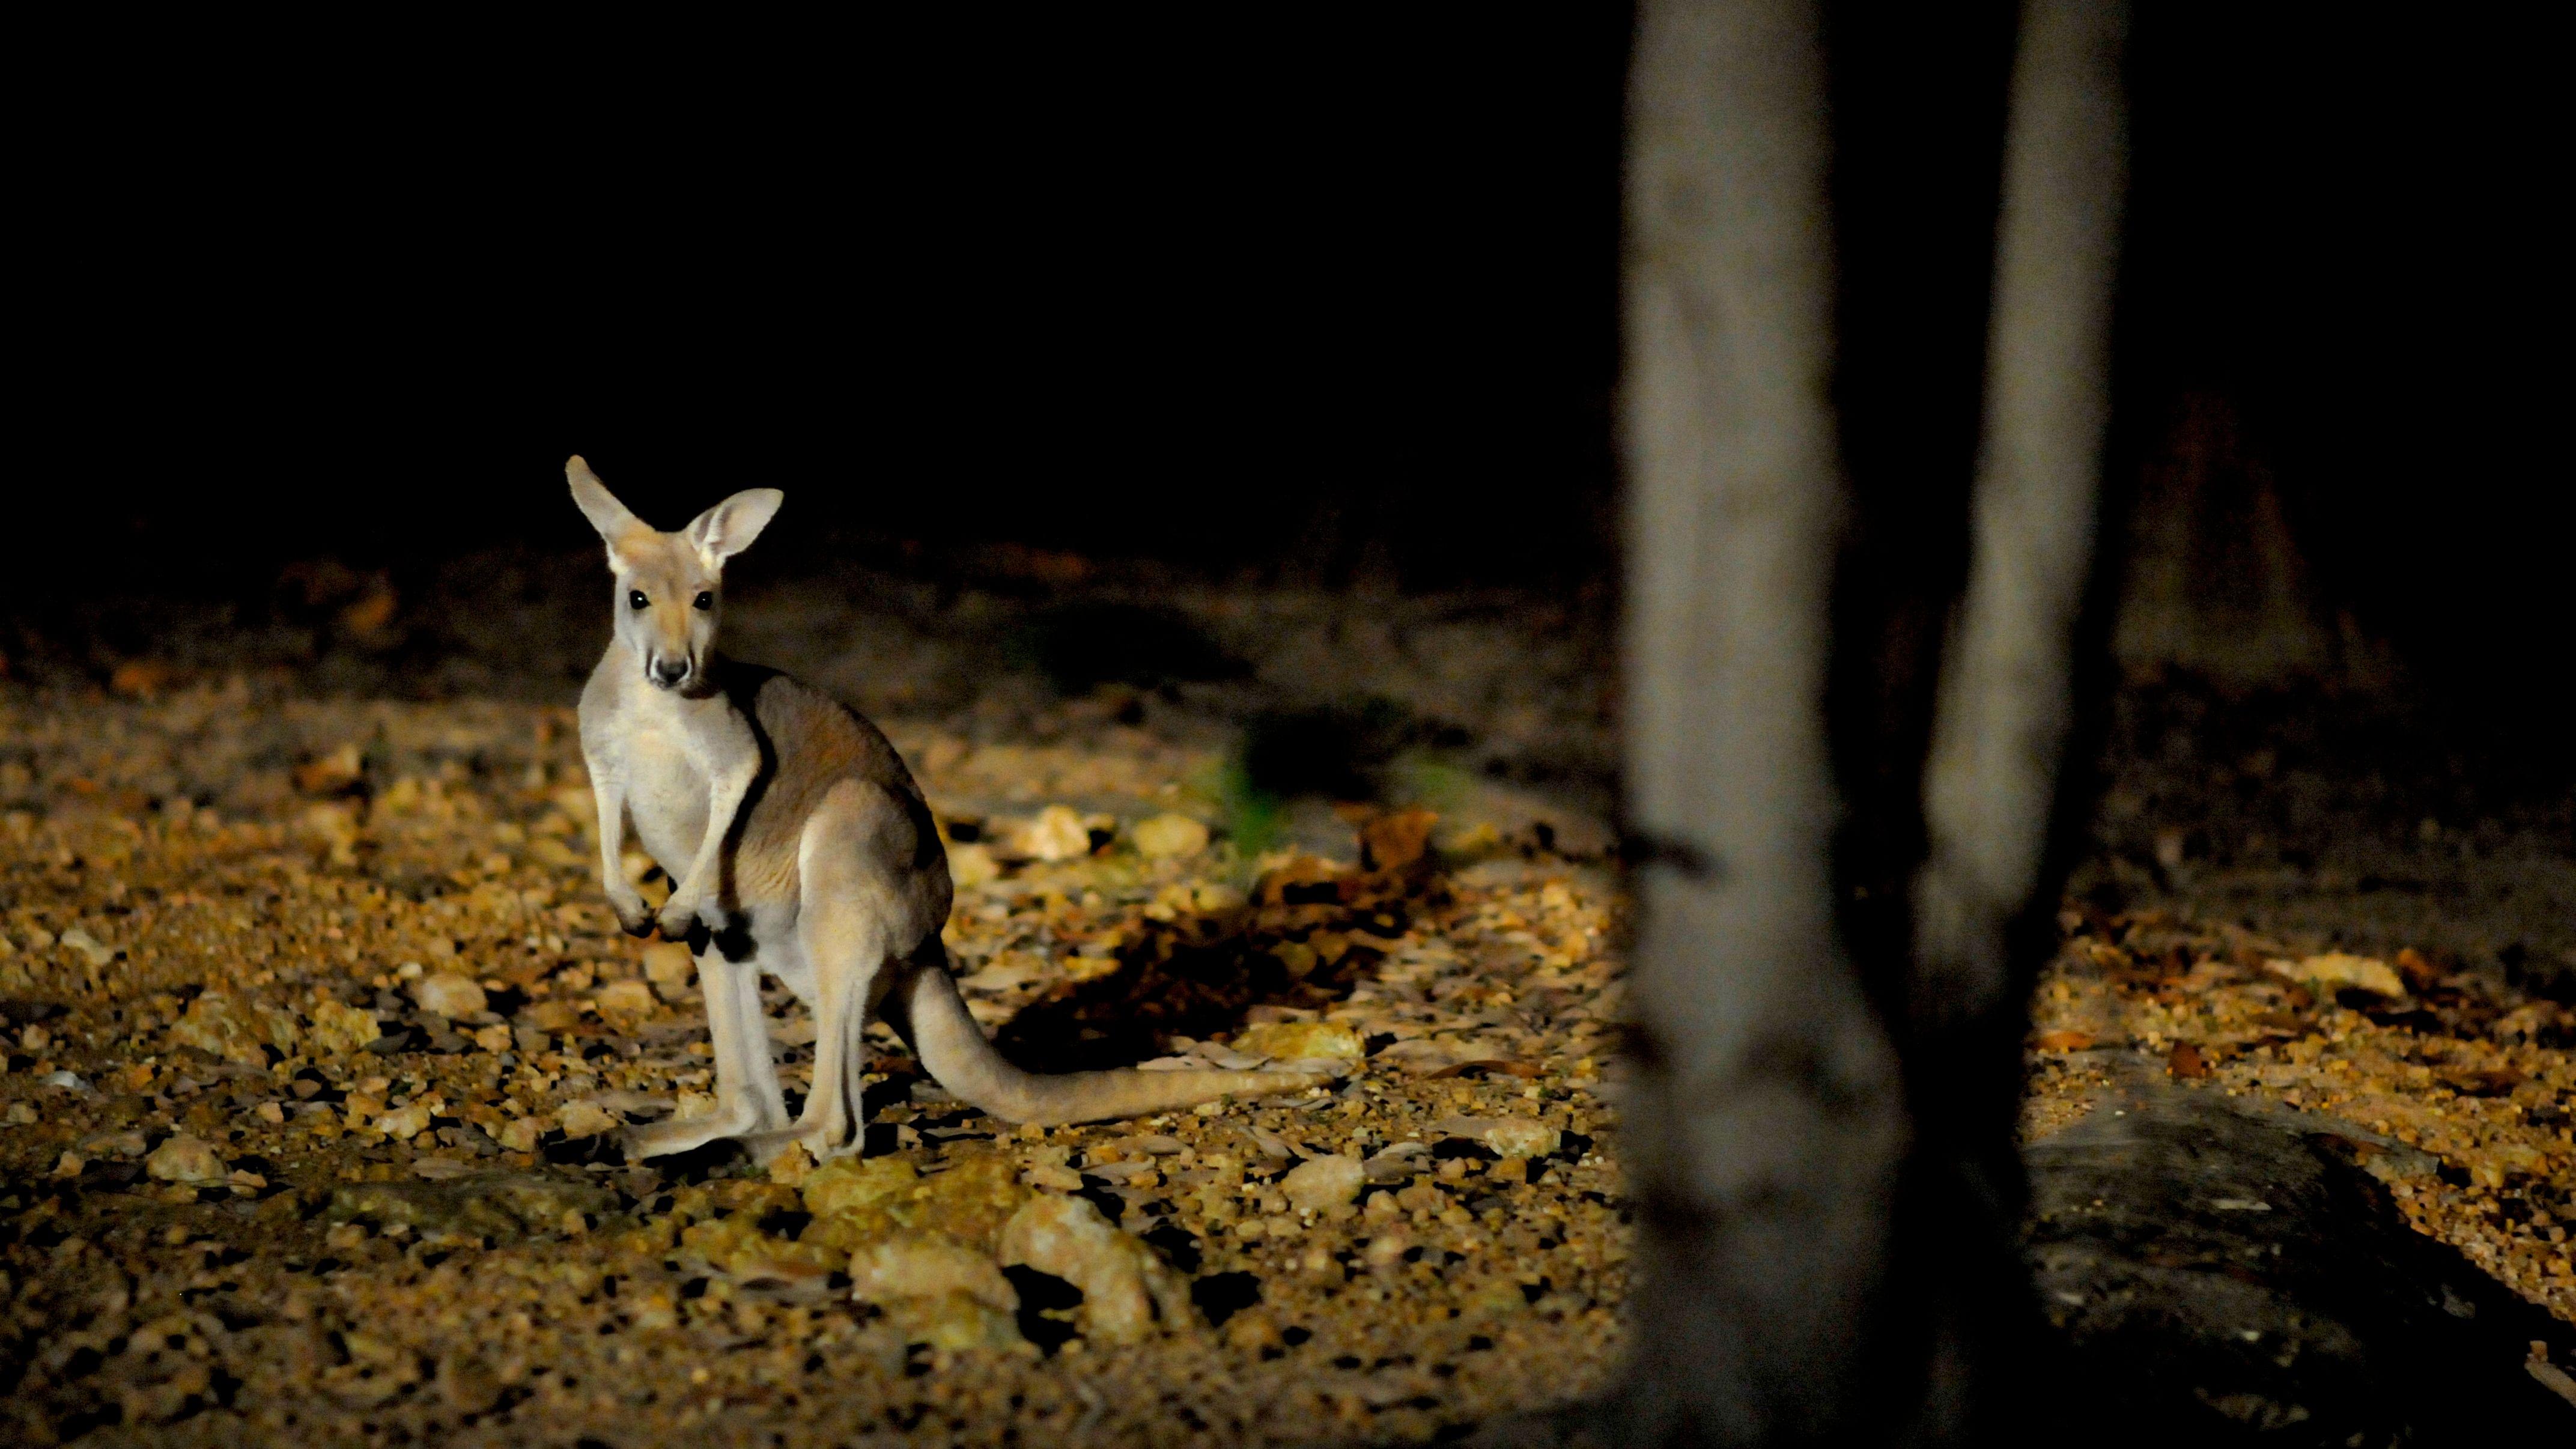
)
(320, 1036)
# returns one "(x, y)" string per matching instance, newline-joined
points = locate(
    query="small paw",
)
(677, 919)
(633, 916)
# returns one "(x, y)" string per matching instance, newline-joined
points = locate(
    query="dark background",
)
(1286, 296)
(1209, 295)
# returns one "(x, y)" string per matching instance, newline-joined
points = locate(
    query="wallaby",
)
(798, 846)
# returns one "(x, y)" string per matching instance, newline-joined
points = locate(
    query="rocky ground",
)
(320, 1039)
(2454, 1095)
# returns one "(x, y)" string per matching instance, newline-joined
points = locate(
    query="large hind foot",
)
(687, 1134)
(766, 1147)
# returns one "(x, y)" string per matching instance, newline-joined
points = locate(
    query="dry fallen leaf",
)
(372, 611)
(555, 1015)
(1297, 1040)
(1396, 842)
(2336, 970)
(2185, 1062)
(331, 773)
(140, 678)
(2420, 973)
(585, 1119)
(2482, 1082)
(2062, 1041)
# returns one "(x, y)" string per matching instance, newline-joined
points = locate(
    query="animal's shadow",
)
(1307, 936)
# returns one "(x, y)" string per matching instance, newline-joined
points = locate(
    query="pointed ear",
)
(729, 527)
(599, 505)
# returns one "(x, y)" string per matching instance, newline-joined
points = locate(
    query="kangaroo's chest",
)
(666, 795)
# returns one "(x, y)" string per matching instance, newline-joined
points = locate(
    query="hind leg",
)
(848, 957)
(842, 931)
(748, 1099)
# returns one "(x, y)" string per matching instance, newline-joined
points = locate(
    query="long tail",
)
(954, 1051)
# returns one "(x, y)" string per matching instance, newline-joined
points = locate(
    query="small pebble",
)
(186, 1159)
(1056, 834)
(1324, 1184)
(1522, 1137)
(669, 966)
(1120, 1278)
(449, 994)
(1169, 837)
(921, 1266)
(626, 998)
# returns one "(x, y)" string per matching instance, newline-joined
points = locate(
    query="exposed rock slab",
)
(2230, 1275)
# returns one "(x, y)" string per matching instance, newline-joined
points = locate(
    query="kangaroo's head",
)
(670, 586)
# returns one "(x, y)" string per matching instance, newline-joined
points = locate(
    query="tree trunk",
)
(1821, 1128)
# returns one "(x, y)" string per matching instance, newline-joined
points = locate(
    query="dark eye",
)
(635, 599)
(704, 601)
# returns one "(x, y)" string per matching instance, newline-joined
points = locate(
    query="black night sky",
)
(1259, 292)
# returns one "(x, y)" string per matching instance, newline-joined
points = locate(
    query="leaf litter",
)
(319, 1040)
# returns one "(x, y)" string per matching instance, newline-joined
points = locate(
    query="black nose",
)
(667, 672)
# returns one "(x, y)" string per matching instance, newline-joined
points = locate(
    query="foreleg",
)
(608, 793)
(690, 892)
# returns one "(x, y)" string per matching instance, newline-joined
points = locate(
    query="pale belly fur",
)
(666, 797)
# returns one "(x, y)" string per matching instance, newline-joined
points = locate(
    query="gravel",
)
(319, 1038)
(377, 1206)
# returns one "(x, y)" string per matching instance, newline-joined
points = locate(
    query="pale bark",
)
(2005, 695)
(1766, 1124)
(1776, 1297)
